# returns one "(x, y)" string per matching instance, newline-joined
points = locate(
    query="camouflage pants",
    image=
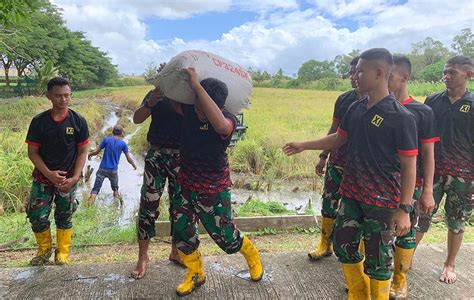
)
(407, 241)
(457, 206)
(41, 201)
(355, 218)
(158, 167)
(331, 196)
(215, 213)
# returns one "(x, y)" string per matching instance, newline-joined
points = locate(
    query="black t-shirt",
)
(57, 141)
(376, 138)
(455, 125)
(204, 161)
(425, 123)
(165, 126)
(338, 155)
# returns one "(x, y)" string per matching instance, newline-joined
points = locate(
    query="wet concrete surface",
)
(288, 275)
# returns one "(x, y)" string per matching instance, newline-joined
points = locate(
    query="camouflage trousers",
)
(215, 213)
(407, 241)
(355, 218)
(159, 166)
(458, 203)
(331, 196)
(40, 203)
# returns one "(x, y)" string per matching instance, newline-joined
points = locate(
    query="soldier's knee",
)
(39, 225)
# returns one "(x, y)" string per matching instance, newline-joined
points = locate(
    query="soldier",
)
(205, 179)
(161, 163)
(334, 170)
(454, 170)
(57, 145)
(423, 195)
(379, 178)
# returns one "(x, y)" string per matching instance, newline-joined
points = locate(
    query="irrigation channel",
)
(294, 195)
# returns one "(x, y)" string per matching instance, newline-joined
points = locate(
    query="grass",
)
(254, 207)
(15, 167)
(91, 226)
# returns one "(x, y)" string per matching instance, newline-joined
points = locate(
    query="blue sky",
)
(208, 26)
(262, 34)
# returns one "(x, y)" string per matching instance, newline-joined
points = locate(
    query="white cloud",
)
(346, 8)
(283, 36)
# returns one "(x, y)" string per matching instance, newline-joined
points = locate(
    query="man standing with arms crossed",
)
(425, 121)
(379, 178)
(334, 170)
(454, 171)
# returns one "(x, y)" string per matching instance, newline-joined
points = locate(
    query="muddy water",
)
(129, 180)
(294, 195)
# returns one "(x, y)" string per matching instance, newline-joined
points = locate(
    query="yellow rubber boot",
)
(399, 288)
(379, 289)
(61, 255)
(195, 276)
(325, 244)
(357, 281)
(253, 259)
(45, 242)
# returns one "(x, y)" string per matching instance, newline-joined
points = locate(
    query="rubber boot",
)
(379, 289)
(357, 281)
(324, 248)
(195, 276)
(61, 255)
(399, 288)
(45, 244)
(253, 259)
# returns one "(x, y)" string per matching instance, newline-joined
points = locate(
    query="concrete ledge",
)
(163, 228)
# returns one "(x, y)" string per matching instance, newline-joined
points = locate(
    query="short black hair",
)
(462, 61)
(60, 81)
(379, 54)
(402, 61)
(354, 61)
(216, 89)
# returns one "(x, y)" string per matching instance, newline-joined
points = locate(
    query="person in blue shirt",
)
(114, 146)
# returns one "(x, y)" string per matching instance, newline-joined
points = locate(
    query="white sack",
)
(174, 82)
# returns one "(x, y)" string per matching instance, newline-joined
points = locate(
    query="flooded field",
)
(295, 195)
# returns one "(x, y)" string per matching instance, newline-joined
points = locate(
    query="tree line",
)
(35, 41)
(427, 57)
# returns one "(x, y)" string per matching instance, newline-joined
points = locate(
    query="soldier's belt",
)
(164, 150)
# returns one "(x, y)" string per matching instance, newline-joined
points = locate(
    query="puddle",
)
(222, 269)
(115, 277)
(293, 194)
(85, 279)
(246, 276)
(25, 274)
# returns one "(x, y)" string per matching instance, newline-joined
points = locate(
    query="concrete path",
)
(288, 275)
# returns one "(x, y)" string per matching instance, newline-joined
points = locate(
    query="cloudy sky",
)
(263, 34)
